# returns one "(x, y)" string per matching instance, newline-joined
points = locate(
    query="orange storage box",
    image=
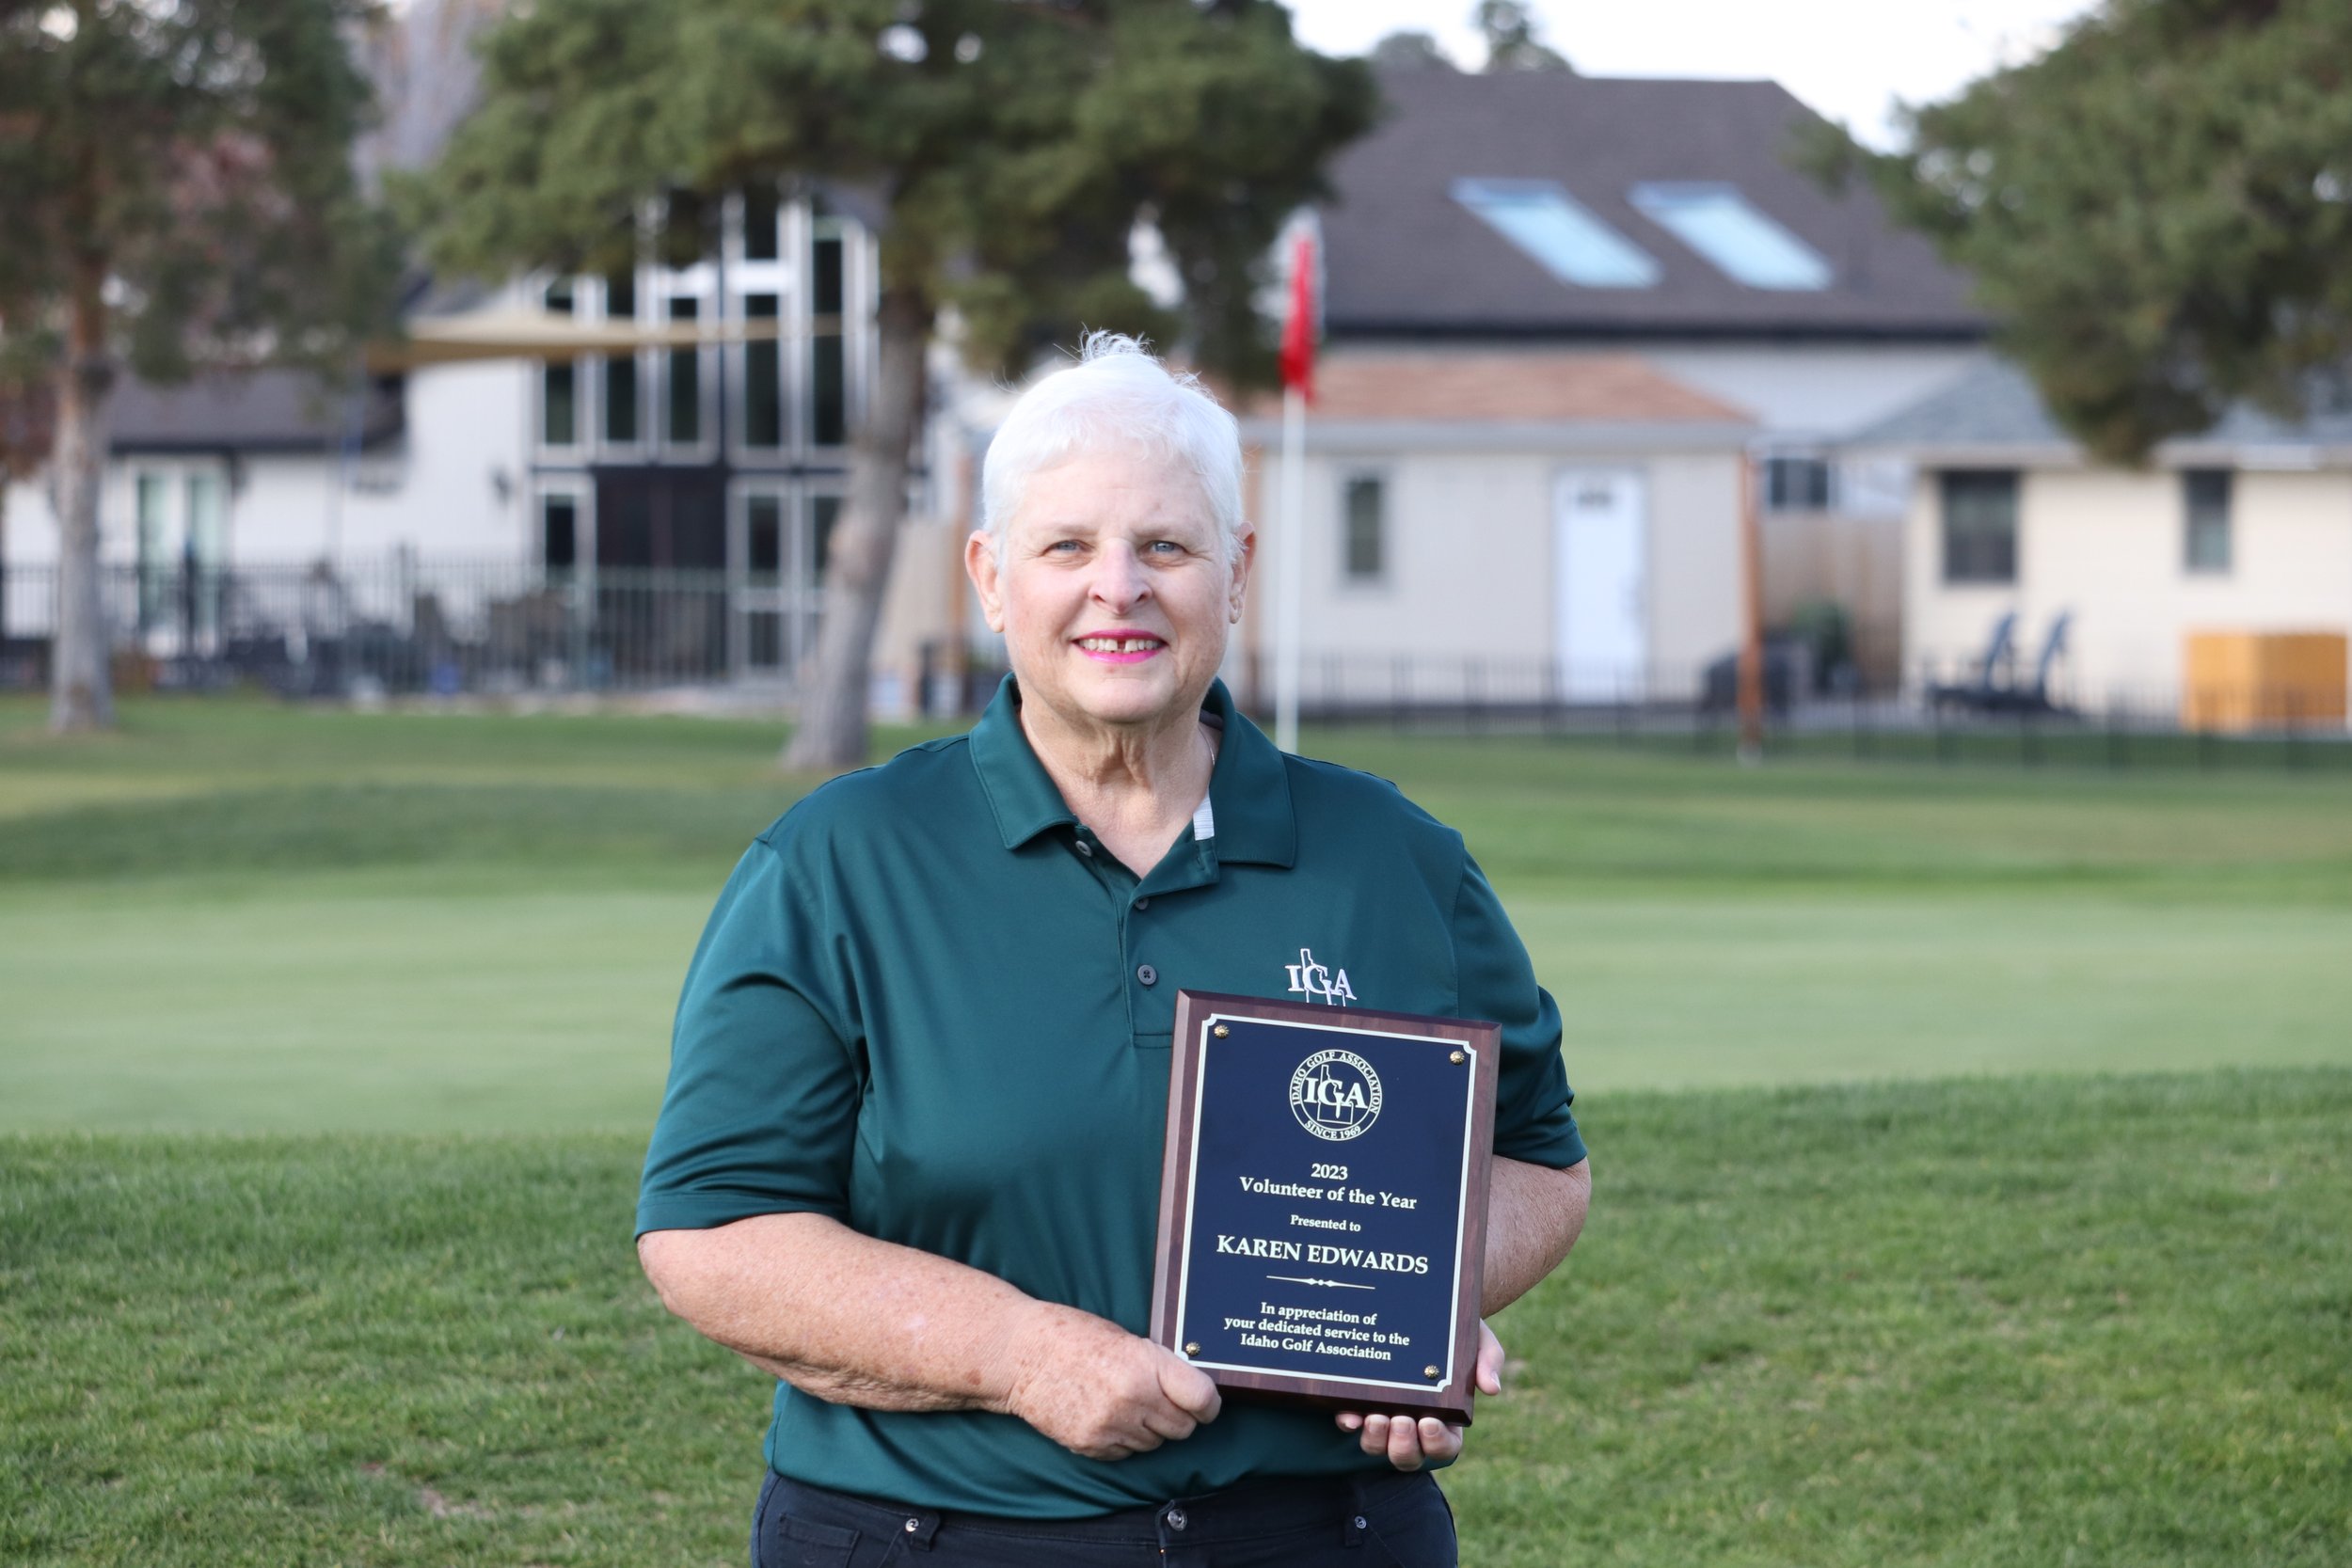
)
(2263, 680)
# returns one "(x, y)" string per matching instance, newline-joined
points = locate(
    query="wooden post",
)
(1751, 614)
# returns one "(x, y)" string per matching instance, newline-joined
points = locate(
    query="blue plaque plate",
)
(1323, 1202)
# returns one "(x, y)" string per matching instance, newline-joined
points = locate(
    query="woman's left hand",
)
(1411, 1443)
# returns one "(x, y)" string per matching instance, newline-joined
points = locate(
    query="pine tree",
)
(1511, 40)
(1410, 49)
(2155, 213)
(1013, 146)
(177, 188)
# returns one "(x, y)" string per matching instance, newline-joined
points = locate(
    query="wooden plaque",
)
(1323, 1202)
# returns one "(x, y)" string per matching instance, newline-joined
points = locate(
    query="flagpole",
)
(1290, 605)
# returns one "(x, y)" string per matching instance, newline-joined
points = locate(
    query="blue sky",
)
(1850, 59)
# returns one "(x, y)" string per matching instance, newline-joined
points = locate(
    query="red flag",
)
(1298, 330)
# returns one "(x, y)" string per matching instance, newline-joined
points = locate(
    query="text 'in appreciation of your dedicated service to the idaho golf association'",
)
(1323, 1202)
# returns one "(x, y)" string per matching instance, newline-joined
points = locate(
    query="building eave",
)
(2249, 457)
(1339, 330)
(1357, 437)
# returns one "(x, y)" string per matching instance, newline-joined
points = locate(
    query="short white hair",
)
(1117, 395)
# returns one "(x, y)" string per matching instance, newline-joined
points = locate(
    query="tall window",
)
(763, 540)
(1979, 527)
(684, 404)
(2205, 500)
(829, 399)
(204, 552)
(1365, 557)
(153, 493)
(558, 402)
(763, 377)
(759, 224)
(558, 534)
(620, 370)
(207, 544)
(763, 568)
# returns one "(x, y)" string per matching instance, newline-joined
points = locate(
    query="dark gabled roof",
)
(251, 411)
(1995, 410)
(1403, 258)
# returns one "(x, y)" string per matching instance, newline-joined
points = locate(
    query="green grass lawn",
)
(2033, 1321)
(240, 916)
(328, 1042)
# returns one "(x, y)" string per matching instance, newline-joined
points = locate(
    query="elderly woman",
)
(909, 1157)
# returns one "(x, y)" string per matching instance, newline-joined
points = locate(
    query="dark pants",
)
(1388, 1521)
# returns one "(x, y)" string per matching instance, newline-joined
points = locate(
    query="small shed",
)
(1542, 514)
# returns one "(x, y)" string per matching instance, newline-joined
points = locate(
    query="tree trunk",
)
(81, 695)
(834, 687)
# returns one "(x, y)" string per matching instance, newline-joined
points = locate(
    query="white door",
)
(1600, 622)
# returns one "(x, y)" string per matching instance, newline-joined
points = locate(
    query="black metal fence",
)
(396, 627)
(1931, 714)
(402, 627)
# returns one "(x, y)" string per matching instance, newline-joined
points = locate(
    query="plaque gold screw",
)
(1459, 1058)
(1429, 1371)
(1193, 1348)
(1220, 1030)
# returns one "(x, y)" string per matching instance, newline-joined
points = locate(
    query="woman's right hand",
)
(1100, 1391)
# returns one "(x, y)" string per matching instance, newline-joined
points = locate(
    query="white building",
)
(2244, 530)
(726, 457)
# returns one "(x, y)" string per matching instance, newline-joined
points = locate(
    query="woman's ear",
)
(980, 565)
(1242, 562)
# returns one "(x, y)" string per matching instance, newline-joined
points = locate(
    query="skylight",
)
(1716, 221)
(1571, 244)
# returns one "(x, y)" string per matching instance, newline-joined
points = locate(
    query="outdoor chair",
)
(1978, 693)
(1990, 693)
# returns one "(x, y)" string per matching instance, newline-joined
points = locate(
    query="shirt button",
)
(1085, 849)
(1150, 976)
(1175, 1518)
(1144, 903)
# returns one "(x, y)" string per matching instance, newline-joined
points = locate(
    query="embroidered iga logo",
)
(1315, 983)
(1335, 1094)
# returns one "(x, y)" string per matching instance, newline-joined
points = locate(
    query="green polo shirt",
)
(930, 1006)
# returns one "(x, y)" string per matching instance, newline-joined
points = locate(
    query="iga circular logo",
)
(1335, 1094)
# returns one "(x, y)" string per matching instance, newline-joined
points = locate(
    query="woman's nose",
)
(1119, 577)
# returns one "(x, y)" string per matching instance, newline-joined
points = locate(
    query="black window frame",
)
(1979, 543)
(622, 399)
(558, 548)
(763, 377)
(2208, 511)
(1361, 566)
(560, 422)
(1799, 482)
(828, 345)
(683, 419)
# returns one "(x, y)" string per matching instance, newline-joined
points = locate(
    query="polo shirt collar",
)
(1249, 793)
